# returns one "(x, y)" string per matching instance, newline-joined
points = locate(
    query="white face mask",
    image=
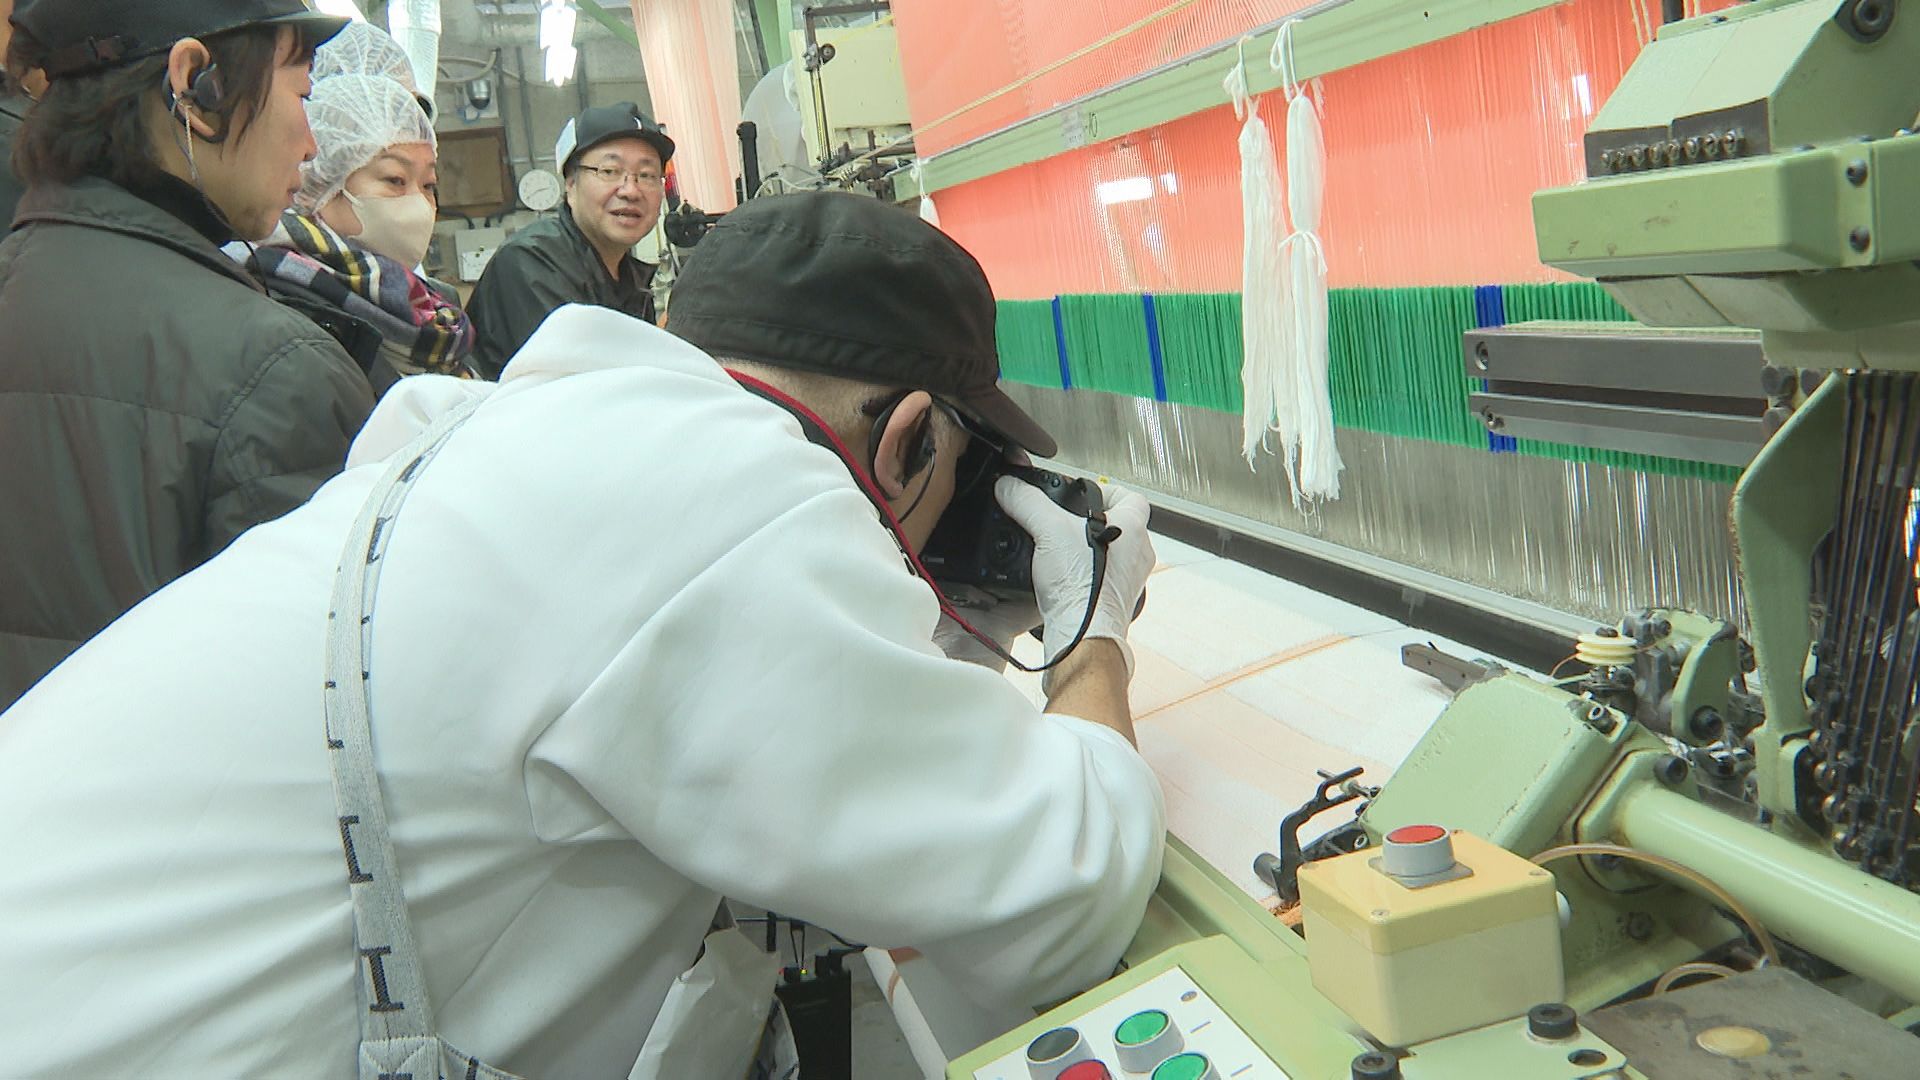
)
(398, 227)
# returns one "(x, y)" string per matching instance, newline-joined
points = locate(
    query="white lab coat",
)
(637, 646)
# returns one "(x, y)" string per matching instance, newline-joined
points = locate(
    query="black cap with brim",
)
(84, 36)
(846, 285)
(604, 123)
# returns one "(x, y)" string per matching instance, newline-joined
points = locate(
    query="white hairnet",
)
(354, 117)
(363, 49)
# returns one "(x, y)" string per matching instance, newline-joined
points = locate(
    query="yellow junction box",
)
(1412, 964)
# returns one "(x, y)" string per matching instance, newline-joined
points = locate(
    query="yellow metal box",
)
(1412, 964)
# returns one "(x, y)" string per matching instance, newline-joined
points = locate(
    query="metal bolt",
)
(1672, 771)
(1706, 724)
(1860, 239)
(1692, 147)
(1828, 776)
(1637, 156)
(1673, 151)
(1709, 148)
(1494, 423)
(1856, 173)
(1639, 926)
(1480, 355)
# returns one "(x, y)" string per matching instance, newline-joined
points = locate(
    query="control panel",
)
(1166, 1028)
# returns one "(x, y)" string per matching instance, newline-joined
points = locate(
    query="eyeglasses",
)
(618, 177)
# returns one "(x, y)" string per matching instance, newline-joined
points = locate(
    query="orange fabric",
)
(1433, 156)
(693, 76)
(956, 53)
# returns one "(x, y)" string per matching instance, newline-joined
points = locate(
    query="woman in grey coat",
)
(154, 403)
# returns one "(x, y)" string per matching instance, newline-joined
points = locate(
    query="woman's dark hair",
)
(96, 124)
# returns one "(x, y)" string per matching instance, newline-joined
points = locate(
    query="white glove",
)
(999, 618)
(1063, 563)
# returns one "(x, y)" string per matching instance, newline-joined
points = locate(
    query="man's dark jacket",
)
(544, 266)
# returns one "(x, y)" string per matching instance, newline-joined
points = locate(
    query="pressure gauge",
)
(540, 189)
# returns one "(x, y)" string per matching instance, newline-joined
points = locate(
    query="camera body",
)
(978, 545)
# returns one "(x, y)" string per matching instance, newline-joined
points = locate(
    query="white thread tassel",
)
(1305, 413)
(928, 212)
(1262, 273)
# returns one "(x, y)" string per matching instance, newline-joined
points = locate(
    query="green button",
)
(1182, 1067)
(1141, 1027)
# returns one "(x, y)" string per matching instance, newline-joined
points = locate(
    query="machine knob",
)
(1086, 1070)
(1187, 1066)
(1052, 1053)
(1146, 1039)
(1416, 853)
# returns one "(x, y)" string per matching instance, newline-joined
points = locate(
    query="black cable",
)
(843, 941)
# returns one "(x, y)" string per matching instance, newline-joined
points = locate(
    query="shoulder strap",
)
(396, 1019)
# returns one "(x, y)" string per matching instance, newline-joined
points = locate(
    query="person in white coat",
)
(678, 657)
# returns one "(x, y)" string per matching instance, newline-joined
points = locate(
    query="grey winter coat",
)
(154, 404)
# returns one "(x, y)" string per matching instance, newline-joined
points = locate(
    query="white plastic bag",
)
(715, 1013)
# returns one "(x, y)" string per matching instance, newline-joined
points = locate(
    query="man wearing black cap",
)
(614, 160)
(681, 657)
(154, 403)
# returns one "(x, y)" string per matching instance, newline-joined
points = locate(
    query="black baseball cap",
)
(604, 122)
(83, 36)
(847, 285)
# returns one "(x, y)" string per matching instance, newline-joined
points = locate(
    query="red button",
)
(1416, 834)
(1086, 1070)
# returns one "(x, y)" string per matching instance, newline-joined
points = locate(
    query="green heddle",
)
(1107, 343)
(1029, 351)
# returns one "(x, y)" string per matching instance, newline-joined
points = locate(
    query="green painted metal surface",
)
(1800, 892)
(1334, 38)
(1507, 1051)
(1786, 212)
(1782, 507)
(1510, 761)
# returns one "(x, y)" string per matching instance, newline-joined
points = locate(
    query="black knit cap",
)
(83, 36)
(843, 284)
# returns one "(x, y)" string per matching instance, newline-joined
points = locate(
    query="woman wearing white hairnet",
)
(344, 255)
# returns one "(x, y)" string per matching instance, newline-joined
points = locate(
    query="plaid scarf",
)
(423, 331)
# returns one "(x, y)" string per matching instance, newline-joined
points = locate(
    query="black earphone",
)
(203, 90)
(922, 454)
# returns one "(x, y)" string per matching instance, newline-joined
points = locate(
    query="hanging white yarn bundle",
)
(1305, 416)
(1262, 275)
(928, 212)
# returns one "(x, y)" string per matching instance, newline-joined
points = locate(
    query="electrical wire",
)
(1769, 953)
(1718, 971)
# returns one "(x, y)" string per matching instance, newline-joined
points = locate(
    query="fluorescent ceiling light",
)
(342, 8)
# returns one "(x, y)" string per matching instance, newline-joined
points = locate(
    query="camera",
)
(977, 544)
